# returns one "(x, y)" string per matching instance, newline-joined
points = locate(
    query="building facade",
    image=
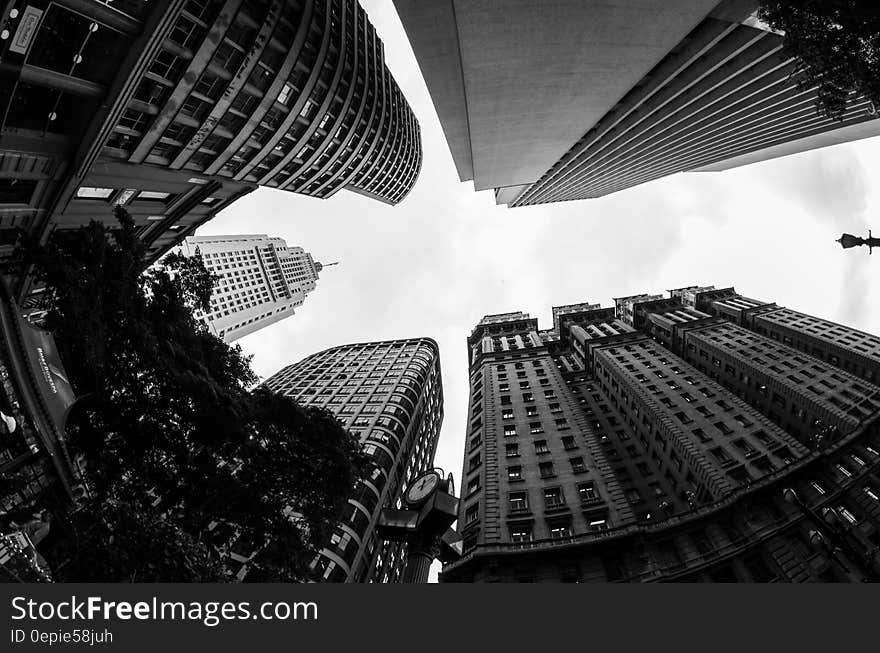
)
(176, 109)
(260, 281)
(683, 437)
(390, 395)
(586, 99)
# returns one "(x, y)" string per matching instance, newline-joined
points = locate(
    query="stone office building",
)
(662, 439)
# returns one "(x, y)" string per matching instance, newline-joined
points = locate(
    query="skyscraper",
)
(390, 395)
(700, 436)
(176, 109)
(261, 281)
(581, 99)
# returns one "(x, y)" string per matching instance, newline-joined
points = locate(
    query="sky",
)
(433, 265)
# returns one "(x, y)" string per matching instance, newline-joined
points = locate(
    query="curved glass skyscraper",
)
(390, 395)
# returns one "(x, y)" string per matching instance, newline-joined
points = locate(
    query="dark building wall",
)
(852, 350)
(798, 392)
(389, 394)
(696, 435)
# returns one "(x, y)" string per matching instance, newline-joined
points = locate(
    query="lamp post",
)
(830, 534)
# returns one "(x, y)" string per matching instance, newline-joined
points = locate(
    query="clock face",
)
(422, 488)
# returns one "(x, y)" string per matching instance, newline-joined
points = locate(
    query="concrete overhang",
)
(516, 83)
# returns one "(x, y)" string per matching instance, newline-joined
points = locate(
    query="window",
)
(577, 465)
(509, 431)
(553, 497)
(558, 531)
(472, 514)
(745, 423)
(91, 192)
(847, 515)
(633, 496)
(763, 438)
(562, 424)
(724, 428)
(546, 470)
(507, 414)
(745, 447)
(521, 533)
(531, 411)
(870, 492)
(474, 463)
(285, 93)
(701, 435)
(587, 492)
(514, 473)
(541, 446)
(569, 443)
(599, 525)
(535, 427)
(721, 455)
(511, 450)
(518, 501)
(473, 485)
(153, 195)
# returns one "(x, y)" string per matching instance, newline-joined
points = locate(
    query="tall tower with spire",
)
(260, 280)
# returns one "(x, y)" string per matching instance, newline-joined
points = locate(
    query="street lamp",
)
(424, 524)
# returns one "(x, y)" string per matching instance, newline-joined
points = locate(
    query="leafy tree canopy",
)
(836, 44)
(174, 441)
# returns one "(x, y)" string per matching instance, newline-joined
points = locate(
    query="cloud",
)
(855, 289)
(832, 187)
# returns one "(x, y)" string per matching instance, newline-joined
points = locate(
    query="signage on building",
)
(49, 372)
(27, 28)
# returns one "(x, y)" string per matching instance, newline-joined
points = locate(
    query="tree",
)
(174, 441)
(836, 46)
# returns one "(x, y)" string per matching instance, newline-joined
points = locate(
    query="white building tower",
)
(261, 281)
